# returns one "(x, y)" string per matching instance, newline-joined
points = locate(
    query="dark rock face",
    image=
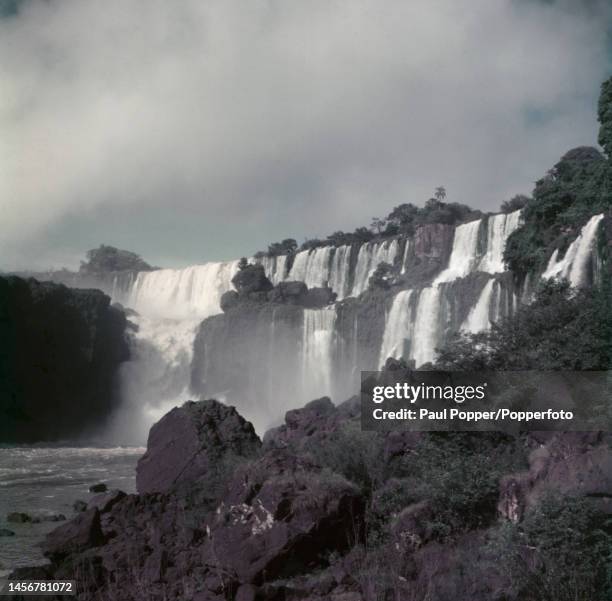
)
(60, 350)
(234, 352)
(101, 487)
(572, 463)
(188, 441)
(81, 533)
(251, 279)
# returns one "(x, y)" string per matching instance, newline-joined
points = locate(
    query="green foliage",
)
(355, 454)
(561, 329)
(561, 551)
(574, 190)
(605, 117)
(514, 204)
(458, 473)
(288, 246)
(381, 278)
(108, 258)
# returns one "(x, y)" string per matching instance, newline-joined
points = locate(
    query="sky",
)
(204, 129)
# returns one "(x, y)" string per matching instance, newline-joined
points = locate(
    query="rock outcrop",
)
(60, 350)
(187, 443)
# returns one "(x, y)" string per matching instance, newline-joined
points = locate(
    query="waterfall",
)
(478, 319)
(426, 330)
(398, 327)
(499, 228)
(312, 266)
(406, 255)
(339, 274)
(274, 267)
(317, 352)
(182, 293)
(464, 252)
(369, 258)
(574, 264)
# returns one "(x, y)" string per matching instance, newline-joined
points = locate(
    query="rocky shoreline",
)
(222, 515)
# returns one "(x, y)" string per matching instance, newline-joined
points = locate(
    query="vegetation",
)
(561, 551)
(576, 188)
(108, 258)
(562, 328)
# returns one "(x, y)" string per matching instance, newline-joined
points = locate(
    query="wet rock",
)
(79, 506)
(17, 517)
(189, 441)
(101, 487)
(251, 279)
(6, 532)
(81, 533)
(105, 501)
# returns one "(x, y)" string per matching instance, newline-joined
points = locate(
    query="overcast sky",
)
(204, 129)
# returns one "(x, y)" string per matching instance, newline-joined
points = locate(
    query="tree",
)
(381, 278)
(604, 114)
(288, 246)
(106, 259)
(440, 193)
(514, 204)
(377, 224)
(243, 263)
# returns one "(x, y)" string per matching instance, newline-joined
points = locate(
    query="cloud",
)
(232, 122)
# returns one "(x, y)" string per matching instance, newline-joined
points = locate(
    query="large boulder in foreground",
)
(191, 440)
(281, 516)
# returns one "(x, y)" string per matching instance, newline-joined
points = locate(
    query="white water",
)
(339, 275)
(274, 267)
(478, 319)
(370, 256)
(464, 253)
(398, 327)
(499, 228)
(192, 292)
(574, 264)
(426, 326)
(312, 267)
(317, 352)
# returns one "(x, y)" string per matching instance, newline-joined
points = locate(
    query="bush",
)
(108, 258)
(562, 551)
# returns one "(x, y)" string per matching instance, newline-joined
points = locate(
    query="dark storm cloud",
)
(246, 121)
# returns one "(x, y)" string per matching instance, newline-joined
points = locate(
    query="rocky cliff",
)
(60, 352)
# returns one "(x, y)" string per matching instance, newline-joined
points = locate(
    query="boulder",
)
(319, 297)
(101, 487)
(18, 517)
(79, 506)
(251, 279)
(105, 501)
(81, 533)
(191, 440)
(280, 517)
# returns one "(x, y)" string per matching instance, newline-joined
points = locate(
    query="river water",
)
(43, 481)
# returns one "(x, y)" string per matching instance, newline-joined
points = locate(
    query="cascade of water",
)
(406, 255)
(574, 264)
(499, 228)
(339, 273)
(425, 328)
(478, 319)
(369, 258)
(398, 327)
(182, 293)
(312, 266)
(274, 267)
(317, 352)
(464, 252)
